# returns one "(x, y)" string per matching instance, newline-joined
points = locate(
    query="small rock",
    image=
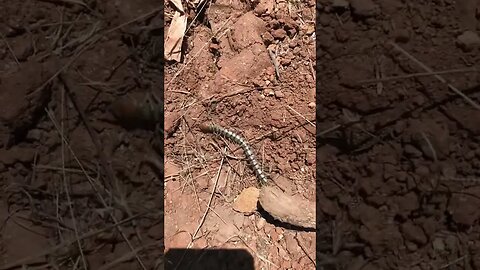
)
(238, 220)
(291, 244)
(16, 154)
(311, 157)
(264, 7)
(469, 155)
(171, 122)
(35, 135)
(464, 209)
(449, 170)
(451, 243)
(156, 231)
(418, 100)
(422, 171)
(412, 151)
(327, 206)
(267, 38)
(413, 233)
(246, 202)
(279, 34)
(411, 246)
(364, 8)
(285, 61)
(260, 10)
(22, 47)
(171, 169)
(468, 41)
(260, 223)
(293, 44)
(310, 29)
(342, 35)
(311, 105)
(279, 94)
(407, 204)
(324, 19)
(438, 244)
(401, 35)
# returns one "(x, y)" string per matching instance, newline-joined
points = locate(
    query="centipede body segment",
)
(220, 131)
(278, 204)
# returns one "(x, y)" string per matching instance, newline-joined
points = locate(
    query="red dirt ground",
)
(63, 65)
(398, 160)
(230, 80)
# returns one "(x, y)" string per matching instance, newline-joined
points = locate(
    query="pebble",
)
(401, 35)
(311, 105)
(246, 202)
(279, 34)
(279, 94)
(260, 223)
(412, 151)
(438, 244)
(171, 121)
(468, 41)
(324, 19)
(413, 233)
(16, 154)
(311, 157)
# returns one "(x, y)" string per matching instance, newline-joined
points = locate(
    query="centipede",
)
(247, 149)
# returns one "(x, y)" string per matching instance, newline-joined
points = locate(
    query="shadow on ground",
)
(208, 259)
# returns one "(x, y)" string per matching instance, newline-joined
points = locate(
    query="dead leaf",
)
(176, 32)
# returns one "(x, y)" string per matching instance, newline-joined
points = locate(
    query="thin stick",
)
(10, 49)
(304, 249)
(65, 183)
(308, 121)
(323, 133)
(453, 262)
(103, 160)
(48, 251)
(209, 202)
(438, 77)
(430, 145)
(206, 210)
(92, 184)
(87, 45)
(415, 75)
(196, 55)
(129, 255)
(275, 62)
(53, 168)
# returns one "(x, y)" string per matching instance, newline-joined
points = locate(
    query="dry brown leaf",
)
(176, 32)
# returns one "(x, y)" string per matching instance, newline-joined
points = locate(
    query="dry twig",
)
(438, 77)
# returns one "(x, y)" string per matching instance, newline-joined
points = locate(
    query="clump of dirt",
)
(78, 189)
(397, 151)
(248, 67)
